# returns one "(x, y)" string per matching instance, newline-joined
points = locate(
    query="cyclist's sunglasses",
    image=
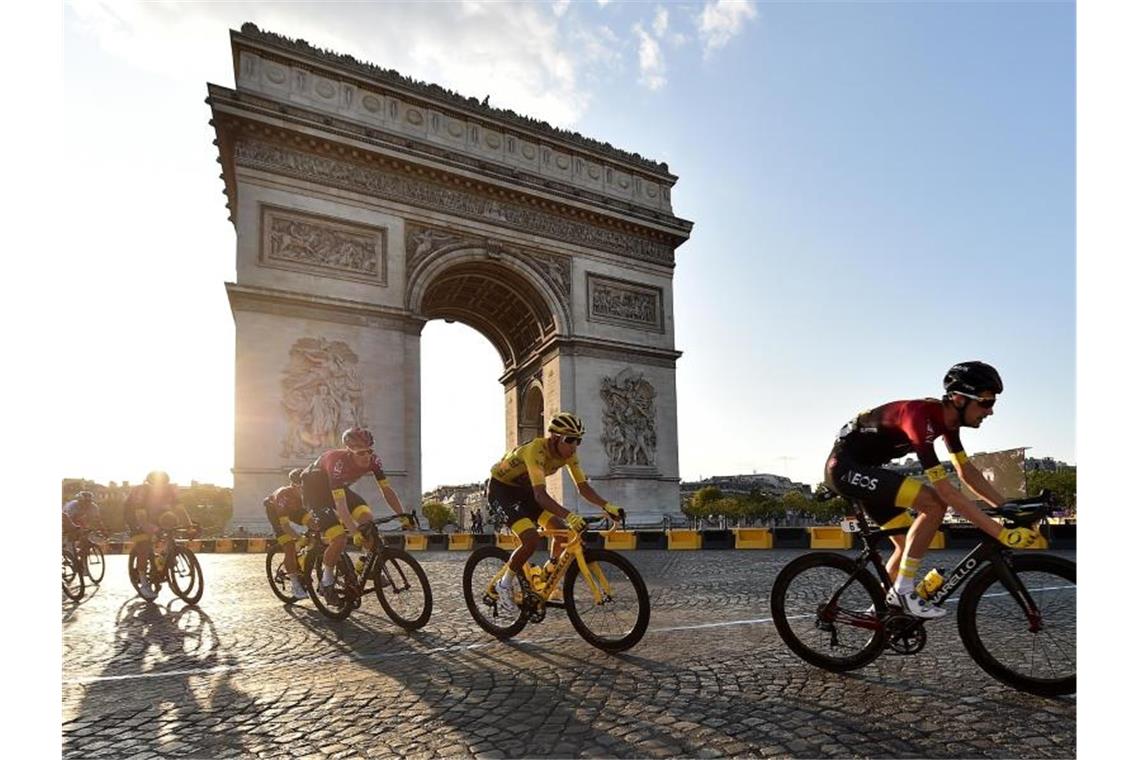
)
(361, 452)
(572, 440)
(985, 403)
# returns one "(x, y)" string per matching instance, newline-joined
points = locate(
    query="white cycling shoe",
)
(147, 591)
(914, 605)
(299, 591)
(505, 587)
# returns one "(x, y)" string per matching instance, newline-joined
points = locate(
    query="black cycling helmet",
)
(157, 477)
(295, 476)
(566, 424)
(85, 496)
(972, 379)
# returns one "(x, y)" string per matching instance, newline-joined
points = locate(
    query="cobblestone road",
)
(244, 675)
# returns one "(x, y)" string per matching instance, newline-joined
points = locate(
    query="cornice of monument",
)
(247, 105)
(291, 303)
(389, 78)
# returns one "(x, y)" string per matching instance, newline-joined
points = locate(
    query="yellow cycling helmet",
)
(568, 424)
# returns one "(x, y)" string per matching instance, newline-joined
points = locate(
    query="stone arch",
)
(499, 296)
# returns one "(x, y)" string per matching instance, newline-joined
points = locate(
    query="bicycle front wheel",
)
(402, 588)
(479, 573)
(834, 630)
(609, 605)
(73, 584)
(1032, 650)
(185, 575)
(278, 577)
(94, 564)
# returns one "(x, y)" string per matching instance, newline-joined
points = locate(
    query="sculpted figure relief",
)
(321, 245)
(322, 395)
(630, 427)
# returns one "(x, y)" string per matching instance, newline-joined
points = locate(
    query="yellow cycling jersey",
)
(531, 463)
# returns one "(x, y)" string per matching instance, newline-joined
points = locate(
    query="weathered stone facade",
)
(366, 204)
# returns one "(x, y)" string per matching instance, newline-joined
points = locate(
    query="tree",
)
(1063, 484)
(706, 496)
(438, 514)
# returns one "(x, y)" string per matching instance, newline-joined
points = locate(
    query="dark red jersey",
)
(893, 430)
(287, 501)
(343, 470)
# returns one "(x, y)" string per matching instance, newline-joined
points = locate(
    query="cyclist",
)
(81, 514)
(150, 506)
(283, 507)
(854, 470)
(517, 493)
(326, 494)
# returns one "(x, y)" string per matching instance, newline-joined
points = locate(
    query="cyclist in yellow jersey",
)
(517, 491)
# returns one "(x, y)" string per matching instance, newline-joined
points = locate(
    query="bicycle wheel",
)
(618, 619)
(73, 584)
(1000, 637)
(402, 588)
(278, 577)
(479, 572)
(148, 566)
(94, 564)
(185, 575)
(837, 635)
(342, 601)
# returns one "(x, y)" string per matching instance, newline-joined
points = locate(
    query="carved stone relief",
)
(321, 396)
(425, 242)
(316, 245)
(428, 194)
(625, 303)
(629, 420)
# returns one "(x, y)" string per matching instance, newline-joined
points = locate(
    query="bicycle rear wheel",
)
(341, 601)
(73, 584)
(185, 575)
(822, 628)
(94, 564)
(618, 619)
(1000, 635)
(402, 588)
(479, 572)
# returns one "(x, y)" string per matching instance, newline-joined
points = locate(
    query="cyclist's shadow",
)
(146, 683)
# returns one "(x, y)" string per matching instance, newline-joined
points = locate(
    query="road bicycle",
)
(89, 552)
(399, 582)
(602, 592)
(1017, 615)
(73, 583)
(168, 558)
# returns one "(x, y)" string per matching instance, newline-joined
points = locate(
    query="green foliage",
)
(706, 496)
(437, 514)
(1063, 484)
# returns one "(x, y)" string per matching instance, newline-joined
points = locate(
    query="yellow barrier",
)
(223, 546)
(683, 539)
(415, 542)
(460, 542)
(256, 545)
(621, 540)
(753, 538)
(830, 537)
(939, 540)
(506, 540)
(194, 544)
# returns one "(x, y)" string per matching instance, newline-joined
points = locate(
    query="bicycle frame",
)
(573, 550)
(986, 551)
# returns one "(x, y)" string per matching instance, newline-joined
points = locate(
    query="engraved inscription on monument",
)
(624, 303)
(321, 396)
(317, 245)
(630, 421)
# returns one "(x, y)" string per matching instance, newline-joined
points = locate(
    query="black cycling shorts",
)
(298, 516)
(885, 495)
(316, 494)
(516, 506)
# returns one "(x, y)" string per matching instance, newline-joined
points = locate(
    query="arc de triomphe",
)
(366, 203)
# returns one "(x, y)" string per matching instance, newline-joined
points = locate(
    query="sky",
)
(879, 190)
